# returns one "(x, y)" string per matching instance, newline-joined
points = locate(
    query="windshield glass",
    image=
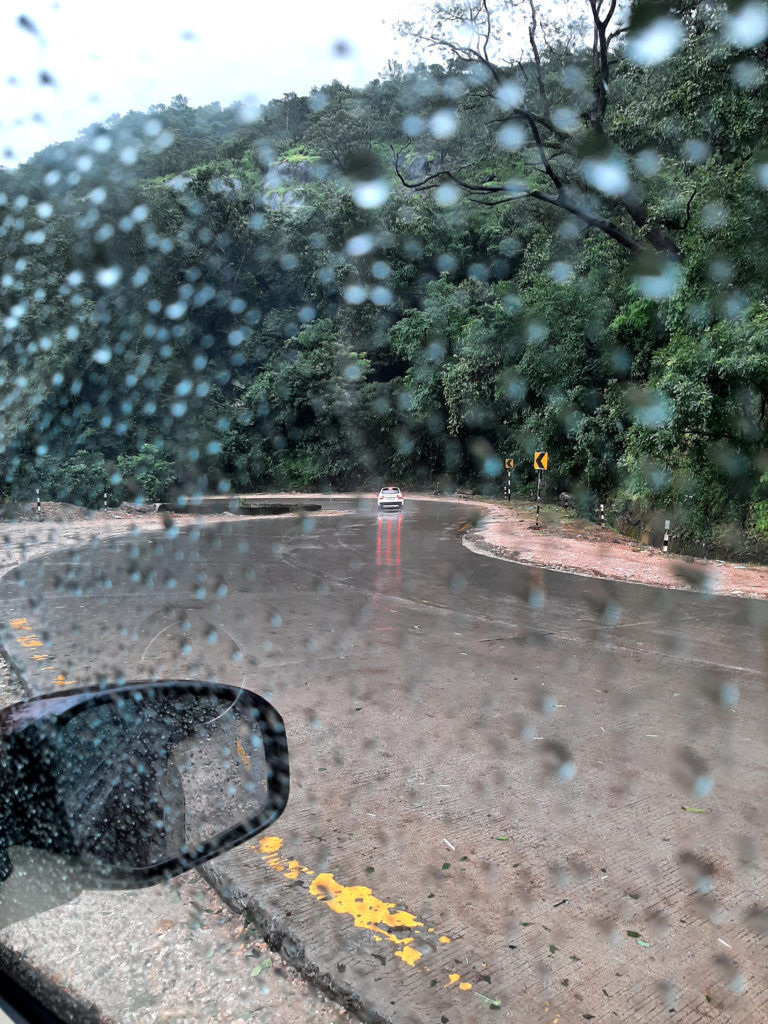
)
(410, 370)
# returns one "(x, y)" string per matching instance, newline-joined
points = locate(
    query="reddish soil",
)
(570, 544)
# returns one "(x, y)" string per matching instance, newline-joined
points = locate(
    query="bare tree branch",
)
(537, 59)
(600, 60)
(622, 31)
(504, 194)
(487, 34)
(550, 151)
(463, 52)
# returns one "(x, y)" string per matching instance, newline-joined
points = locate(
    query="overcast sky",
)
(110, 56)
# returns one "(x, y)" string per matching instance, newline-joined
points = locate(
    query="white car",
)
(390, 498)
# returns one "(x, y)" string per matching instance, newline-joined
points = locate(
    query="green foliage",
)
(698, 438)
(81, 479)
(757, 515)
(145, 477)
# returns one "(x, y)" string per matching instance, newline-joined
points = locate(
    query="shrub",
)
(81, 479)
(146, 476)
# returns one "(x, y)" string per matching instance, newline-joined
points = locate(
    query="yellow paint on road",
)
(465, 986)
(408, 954)
(358, 902)
(270, 844)
(242, 754)
(269, 848)
(367, 911)
(30, 641)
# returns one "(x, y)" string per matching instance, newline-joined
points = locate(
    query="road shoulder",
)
(577, 546)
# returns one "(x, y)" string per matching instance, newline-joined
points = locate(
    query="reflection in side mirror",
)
(140, 782)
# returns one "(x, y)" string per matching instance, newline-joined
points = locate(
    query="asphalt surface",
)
(515, 792)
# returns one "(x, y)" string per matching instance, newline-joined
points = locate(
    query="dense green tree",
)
(698, 441)
(573, 123)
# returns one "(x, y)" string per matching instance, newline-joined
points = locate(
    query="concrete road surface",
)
(517, 794)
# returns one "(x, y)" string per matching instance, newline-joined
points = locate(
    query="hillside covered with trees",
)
(477, 257)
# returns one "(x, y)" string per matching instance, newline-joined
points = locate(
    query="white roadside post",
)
(510, 465)
(666, 536)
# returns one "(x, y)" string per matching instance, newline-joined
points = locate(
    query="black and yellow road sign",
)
(540, 460)
(509, 463)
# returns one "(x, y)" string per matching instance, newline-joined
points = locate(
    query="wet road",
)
(491, 763)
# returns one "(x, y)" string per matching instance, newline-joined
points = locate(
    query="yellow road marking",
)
(358, 901)
(367, 911)
(242, 754)
(62, 680)
(30, 641)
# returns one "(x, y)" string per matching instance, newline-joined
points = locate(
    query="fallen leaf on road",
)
(262, 965)
(493, 1004)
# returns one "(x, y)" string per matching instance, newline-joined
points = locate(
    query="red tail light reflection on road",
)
(388, 587)
(388, 558)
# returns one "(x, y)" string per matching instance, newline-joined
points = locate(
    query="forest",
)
(552, 242)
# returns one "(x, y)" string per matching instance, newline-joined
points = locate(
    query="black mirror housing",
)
(139, 782)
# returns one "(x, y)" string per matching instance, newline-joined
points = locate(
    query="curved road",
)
(513, 789)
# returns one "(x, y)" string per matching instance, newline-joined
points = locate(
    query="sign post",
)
(540, 461)
(538, 497)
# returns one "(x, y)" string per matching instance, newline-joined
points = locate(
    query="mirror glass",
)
(139, 776)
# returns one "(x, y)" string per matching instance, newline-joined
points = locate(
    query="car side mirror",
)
(139, 782)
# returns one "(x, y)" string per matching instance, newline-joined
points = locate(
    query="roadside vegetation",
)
(464, 261)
